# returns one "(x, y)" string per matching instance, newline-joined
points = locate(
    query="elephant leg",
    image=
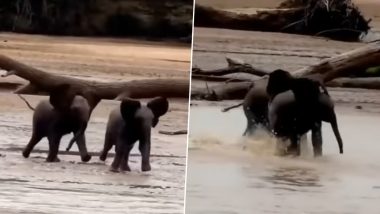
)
(108, 143)
(32, 143)
(119, 155)
(303, 138)
(294, 147)
(81, 143)
(124, 163)
(251, 121)
(250, 128)
(53, 148)
(316, 138)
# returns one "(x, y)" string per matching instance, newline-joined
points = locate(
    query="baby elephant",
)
(63, 113)
(297, 106)
(130, 123)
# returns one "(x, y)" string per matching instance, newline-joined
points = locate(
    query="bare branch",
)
(179, 132)
(231, 107)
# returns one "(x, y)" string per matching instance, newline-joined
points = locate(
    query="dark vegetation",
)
(133, 18)
(335, 19)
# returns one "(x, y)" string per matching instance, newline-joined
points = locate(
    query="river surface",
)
(231, 174)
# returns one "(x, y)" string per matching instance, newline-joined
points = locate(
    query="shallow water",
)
(34, 186)
(230, 174)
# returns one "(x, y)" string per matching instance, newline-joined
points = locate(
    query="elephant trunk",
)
(144, 146)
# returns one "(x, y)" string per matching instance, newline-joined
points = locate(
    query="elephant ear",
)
(61, 97)
(159, 107)
(128, 108)
(279, 81)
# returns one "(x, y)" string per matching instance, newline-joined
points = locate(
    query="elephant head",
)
(158, 107)
(278, 82)
(306, 90)
(128, 108)
(61, 97)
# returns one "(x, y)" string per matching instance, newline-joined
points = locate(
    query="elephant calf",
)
(297, 106)
(63, 113)
(128, 124)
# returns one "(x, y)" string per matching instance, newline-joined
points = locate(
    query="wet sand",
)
(70, 186)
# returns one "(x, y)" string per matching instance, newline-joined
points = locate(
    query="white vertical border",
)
(188, 110)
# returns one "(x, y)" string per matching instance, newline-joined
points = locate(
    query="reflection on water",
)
(231, 174)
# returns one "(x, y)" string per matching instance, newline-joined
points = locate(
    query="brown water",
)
(223, 177)
(34, 186)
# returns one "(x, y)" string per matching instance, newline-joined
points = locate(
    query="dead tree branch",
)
(179, 132)
(330, 71)
(41, 82)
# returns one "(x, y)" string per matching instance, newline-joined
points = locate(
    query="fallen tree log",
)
(340, 20)
(367, 83)
(327, 71)
(344, 64)
(233, 66)
(41, 82)
(216, 78)
(179, 132)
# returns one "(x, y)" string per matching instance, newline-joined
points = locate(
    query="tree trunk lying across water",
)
(328, 71)
(41, 82)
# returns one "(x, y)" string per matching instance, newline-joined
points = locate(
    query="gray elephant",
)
(296, 106)
(255, 107)
(128, 124)
(65, 112)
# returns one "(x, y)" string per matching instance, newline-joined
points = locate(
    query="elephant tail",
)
(76, 136)
(334, 126)
(232, 107)
(324, 90)
(26, 102)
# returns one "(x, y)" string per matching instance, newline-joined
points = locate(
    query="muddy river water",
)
(230, 174)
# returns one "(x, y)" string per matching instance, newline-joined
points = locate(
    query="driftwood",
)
(41, 82)
(340, 20)
(231, 107)
(215, 78)
(229, 91)
(330, 71)
(344, 64)
(367, 83)
(179, 132)
(234, 66)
